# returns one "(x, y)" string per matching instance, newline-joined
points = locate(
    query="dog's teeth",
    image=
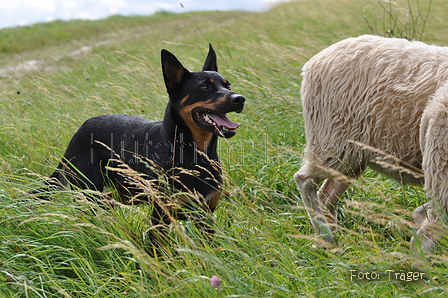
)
(204, 116)
(226, 129)
(208, 120)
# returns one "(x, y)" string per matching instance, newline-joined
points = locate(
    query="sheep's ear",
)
(174, 73)
(210, 62)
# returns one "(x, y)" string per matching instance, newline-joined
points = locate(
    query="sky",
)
(26, 12)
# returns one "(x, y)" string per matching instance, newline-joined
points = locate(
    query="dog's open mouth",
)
(218, 124)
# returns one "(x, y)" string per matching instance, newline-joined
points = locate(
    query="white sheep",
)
(366, 97)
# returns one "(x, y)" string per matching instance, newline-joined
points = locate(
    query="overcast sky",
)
(26, 12)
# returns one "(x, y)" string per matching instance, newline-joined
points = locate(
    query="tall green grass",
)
(264, 245)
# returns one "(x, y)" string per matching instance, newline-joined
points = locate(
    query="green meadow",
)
(54, 76)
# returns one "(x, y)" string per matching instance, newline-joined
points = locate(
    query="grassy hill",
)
(54, 76)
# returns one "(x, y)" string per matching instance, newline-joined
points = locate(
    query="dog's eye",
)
(228, 86)
(205, 87)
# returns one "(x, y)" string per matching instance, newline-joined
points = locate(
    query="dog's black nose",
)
(237, 99)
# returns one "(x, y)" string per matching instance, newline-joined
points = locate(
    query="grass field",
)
(54, 76)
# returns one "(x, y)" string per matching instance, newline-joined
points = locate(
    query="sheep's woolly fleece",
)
(366, 97)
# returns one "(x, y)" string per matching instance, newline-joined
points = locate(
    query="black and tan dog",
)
(183, 145)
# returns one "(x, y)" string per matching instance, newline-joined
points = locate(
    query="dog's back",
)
(109, 137)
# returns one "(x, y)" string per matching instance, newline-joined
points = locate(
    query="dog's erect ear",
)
(173, 72)
(210, 63)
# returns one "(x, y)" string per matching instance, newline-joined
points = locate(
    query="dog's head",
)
(202, 98)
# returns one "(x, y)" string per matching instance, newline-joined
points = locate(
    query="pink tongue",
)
(222, 120)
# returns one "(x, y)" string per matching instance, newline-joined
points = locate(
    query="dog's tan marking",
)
(200, 136)
(182, 102)
(213, 199)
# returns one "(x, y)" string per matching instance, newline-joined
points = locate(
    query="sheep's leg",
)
(432, 229)
(329, 194)
(426, 238)
(315, 208)
(307, 180)
(321, 205)
(421, 214)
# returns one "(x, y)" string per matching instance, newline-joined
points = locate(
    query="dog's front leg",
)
(158, 233)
